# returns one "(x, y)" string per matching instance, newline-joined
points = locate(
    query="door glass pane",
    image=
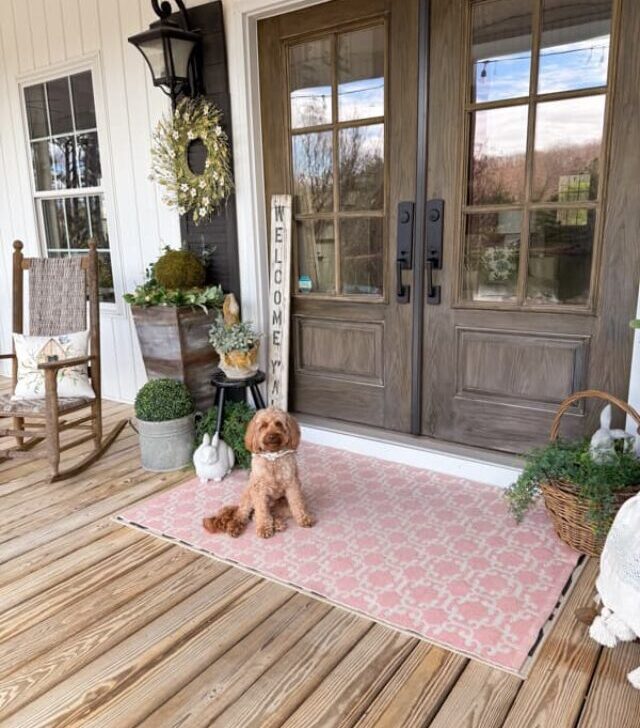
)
(83, 104)
(361, 155)
(574, 51)
(313, 171)
(361, 255)
(497, 164)
(89, 160)
(60, 106)
(54, 226)
(501, 49)
(361, 74)
(491, 256)
(310, 73)
(316, 256)
(567, 149)
(560, 248)
(36, 111)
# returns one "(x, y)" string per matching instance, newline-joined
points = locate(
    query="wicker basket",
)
(567, 511)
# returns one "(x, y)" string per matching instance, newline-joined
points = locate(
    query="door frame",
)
(241, 21)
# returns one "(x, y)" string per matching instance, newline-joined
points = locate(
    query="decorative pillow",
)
(34, 350)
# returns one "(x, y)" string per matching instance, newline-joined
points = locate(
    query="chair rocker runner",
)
(58, 292)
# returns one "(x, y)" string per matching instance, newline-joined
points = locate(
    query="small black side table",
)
(221, 382)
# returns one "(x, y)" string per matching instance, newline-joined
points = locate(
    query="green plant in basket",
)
(571, 462)
(160, 400)
(237, 416)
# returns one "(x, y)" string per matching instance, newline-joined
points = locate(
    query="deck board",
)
(101, 625)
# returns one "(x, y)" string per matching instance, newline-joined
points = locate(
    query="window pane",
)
(560, 248)
(59, 106)
(313, 171)
(64, 165)
(89, 160)
(361, 155)
(36, 111)
(43, 166)
(83, 104)
(361, 262)
(316, 256)
(310, 73)
(78, 222)
(491, 256)
(361, 74)
(499, 140)
(54, 227)
(567, 149)
(98, 220)
(501, 49)
(105, 278)
(574, 51)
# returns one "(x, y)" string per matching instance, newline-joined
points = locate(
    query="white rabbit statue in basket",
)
(213, 459)
(603, 441)
(618, 584)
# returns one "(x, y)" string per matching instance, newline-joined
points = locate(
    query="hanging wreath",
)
(198, 194)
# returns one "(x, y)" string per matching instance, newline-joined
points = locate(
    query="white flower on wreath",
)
(190, 134)
(181, 210)
(184, 187)
(205, 201)
(202, 184)
(207, 164)
(202, 211)
(172, 154)
(218, 130)
(175, 135)
(193, 193)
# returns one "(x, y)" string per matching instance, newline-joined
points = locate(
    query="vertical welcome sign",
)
(279, 299)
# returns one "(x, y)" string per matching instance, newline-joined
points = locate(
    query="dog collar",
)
(271, 456)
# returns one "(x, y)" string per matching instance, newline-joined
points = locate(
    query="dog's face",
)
(272, 430)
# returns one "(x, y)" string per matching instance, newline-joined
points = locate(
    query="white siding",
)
(38, 37)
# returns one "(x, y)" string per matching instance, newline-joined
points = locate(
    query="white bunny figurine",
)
(602, 444)
(213, 459)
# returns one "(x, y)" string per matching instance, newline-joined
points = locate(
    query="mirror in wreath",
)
(173, 311)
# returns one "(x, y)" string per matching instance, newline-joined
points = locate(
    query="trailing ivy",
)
(571, 462)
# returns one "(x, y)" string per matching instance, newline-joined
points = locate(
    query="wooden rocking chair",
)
(58, 291)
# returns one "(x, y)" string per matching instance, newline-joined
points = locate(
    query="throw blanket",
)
(618, 584)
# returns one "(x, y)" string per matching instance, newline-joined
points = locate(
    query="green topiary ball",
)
(160, 400)
(179, 269)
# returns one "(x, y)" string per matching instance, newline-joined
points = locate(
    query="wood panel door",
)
(533, 145)
(338, 85)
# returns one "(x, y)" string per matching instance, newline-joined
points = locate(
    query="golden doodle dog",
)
(274, 488)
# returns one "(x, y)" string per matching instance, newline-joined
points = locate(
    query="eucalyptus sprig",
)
(152, 294)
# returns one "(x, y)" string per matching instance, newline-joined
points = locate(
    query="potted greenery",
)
(173, 311)
(236, 343)
(165, 423)
(582, 492)
(237, 416)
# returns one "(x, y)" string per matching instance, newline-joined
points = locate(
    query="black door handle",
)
(404, 255)
(433, 255)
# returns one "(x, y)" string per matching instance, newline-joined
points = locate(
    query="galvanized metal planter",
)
(166, 446)
(175, 343)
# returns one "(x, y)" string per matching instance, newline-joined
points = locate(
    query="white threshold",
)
(470, 463)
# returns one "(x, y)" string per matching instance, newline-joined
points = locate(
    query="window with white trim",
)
(67, 175)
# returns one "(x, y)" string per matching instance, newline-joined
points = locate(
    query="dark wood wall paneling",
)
(218, 236)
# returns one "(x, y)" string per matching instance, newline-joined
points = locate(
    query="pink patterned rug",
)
(430, 554)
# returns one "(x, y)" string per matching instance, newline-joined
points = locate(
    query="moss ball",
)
(179, 269)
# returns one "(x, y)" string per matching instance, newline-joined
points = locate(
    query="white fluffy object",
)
(618, 583)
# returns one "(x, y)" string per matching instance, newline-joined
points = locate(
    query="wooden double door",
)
(466, 208)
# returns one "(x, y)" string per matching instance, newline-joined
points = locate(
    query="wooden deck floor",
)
(101, 625)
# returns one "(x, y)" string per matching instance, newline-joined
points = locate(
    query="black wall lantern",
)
(171, 51)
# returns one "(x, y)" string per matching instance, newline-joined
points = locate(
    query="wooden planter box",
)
(175, 344)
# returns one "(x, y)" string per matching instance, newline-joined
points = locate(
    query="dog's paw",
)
(307, 521)
(280, 524)
(265, 531)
